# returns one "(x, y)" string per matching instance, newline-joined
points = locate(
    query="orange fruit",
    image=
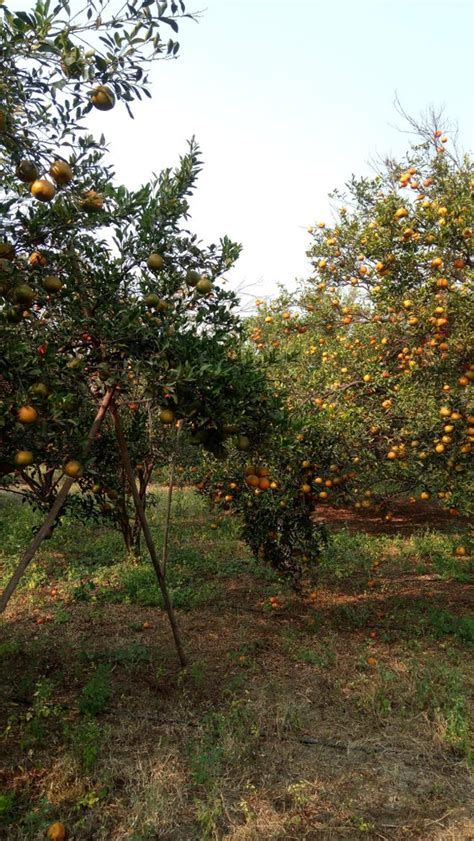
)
(243, 442)
(43, 190)
(166, 416)
(204, 286)
(264, 484)
(252, 481)
(52, 284)
(61, 172)
(73, 469)
(27, 171)
(37, 259)
(103, 98)
(23, 458)
(27, 414)
(371, 661)
(57, 831)
(92, 201)
(155, 261)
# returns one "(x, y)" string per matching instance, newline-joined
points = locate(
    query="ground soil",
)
(407, 518)
(325, 763)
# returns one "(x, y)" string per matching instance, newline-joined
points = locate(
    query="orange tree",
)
(112, 319)
(263, 480)
(374, 351)
(106, 298)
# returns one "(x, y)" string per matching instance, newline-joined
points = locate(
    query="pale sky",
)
(288, 98)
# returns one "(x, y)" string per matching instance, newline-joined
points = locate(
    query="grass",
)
(344, 715)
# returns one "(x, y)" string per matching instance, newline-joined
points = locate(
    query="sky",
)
(288, 98)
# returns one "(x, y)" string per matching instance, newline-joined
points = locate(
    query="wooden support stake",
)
(55, 508)
(125, 456)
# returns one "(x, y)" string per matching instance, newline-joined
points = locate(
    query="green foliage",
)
(41, 709)
(371, 355)
(101, 286)
(97, 693)
(86, 740)
(443, 623)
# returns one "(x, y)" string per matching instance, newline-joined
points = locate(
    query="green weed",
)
(86, 740)
(97, 693)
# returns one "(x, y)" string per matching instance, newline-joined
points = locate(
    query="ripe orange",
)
(103, 98)
(23, 458)
(92, 201)
(73, 469)
(27, 414)
(264, 484)
(61, 172)
(371, 661)
(57, 831)
(43, 190)
(36, 258)
(252, 480)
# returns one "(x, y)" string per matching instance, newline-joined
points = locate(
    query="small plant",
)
(97, 692)
(86, 742)
(42, 708)
(7, 804)
(10, 648)
(62, 616)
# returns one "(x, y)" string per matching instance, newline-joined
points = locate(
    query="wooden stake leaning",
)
(127, 464)
(55, 508)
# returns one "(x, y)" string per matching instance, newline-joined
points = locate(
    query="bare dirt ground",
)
(407, 518)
